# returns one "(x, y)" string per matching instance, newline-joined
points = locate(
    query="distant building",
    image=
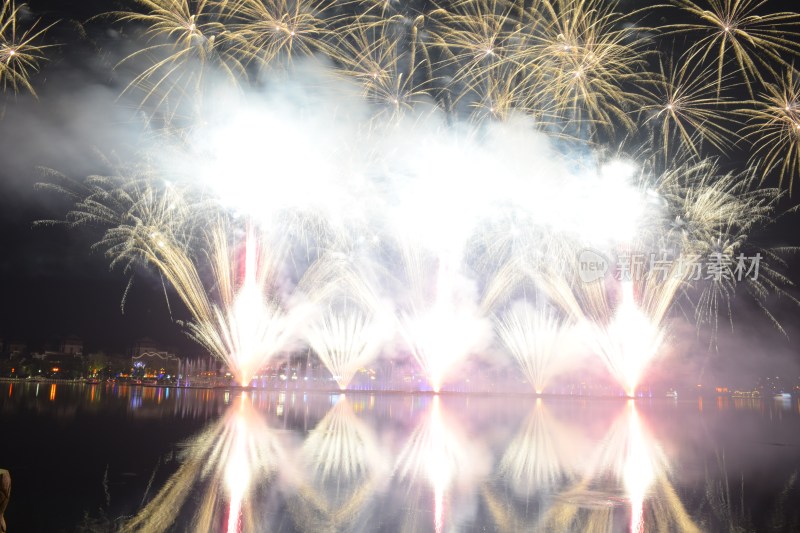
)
(62, 365)
(72, 345)
(17, 348)
(155, 364)
(149, 359)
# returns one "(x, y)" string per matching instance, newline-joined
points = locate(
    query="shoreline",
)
(392, 392)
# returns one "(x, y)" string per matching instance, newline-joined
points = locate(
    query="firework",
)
(775, 128)
(446, 191)
(687, 109)
(187, 45)
(711, 216)
(241, 320)
(736, 32)
(535, 339)
(442, 332)
(473, 37)
(345, 341)
(270, 31)
(579, 55)
(628, 342)
(21, 50)
(388, 59)
(251, 326)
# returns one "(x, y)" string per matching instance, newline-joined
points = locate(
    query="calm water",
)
(105, 458)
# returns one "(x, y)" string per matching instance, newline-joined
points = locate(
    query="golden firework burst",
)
(738, 32)
(686, 108)
(21, 51)
(184, 38)
(279, 30)
(388, 59)
(774, 128)
(583, 56)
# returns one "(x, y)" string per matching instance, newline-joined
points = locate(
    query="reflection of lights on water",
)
(224, 461)
(237, 471)
(638, 474)
(434, 454)
(343, 448)
(281, 403)
(532, 461)
(439, 469)
(136, 396)
(52, 392)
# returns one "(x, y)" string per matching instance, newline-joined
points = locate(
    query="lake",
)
(112, 457)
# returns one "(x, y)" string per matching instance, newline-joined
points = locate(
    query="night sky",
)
(51, 283)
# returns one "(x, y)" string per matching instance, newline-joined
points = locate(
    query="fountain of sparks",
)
(629, 342)
(345, 341)
(535, 339)
(253, 337)
(445, 333)
(249, 326)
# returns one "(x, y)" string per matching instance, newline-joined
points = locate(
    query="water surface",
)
(110, 457)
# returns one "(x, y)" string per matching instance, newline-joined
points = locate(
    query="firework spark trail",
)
(253, 329)
(580, 54)
(238, 318)
(441, 321)
(445, 331)
(271, 32)
(346, 340)
(686, 110)
(535, 338)
(350, 322)
(189, 50)
(774, 123)
(21, 48)
(629, 342)
(736, 32)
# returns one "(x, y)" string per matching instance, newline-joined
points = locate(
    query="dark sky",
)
(51, 284)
